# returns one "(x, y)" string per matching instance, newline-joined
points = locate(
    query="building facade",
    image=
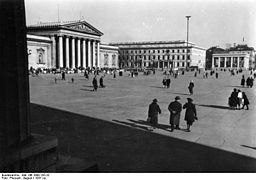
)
(109, 56)
(160, 54)
(238, 57)
(73, 44)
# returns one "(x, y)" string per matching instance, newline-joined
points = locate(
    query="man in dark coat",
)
(153, 111)
(191, 87)
(190, 114)
(175, 108)
(95, 83)
(243, 81)
(101, 82)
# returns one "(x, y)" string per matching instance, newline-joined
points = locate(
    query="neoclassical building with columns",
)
(237, 57)
(69, 44)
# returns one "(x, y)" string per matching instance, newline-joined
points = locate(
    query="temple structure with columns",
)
(237, 57)
(71, 44)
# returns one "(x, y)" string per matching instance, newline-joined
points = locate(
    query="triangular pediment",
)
(83, 27)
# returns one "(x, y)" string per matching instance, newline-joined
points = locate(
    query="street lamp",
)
(187, 41)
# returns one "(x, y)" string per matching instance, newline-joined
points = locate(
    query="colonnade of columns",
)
(231, 60)
(81, 53)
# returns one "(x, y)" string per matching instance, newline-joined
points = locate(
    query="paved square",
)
(125, 101)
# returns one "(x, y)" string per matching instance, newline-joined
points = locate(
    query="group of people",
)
(166, 81)
(238, 100)
(95, 83)
(248, 81)
(175, 109)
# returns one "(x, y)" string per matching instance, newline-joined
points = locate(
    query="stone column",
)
(98, 54)
(89, 54)
(93, 54)
(225, 61)
(60, 51)
(67, 52)
(84, 54)
(231, 61)
(237, 62)
(218, 62)
(78, 53)
(53, 60)
(73, 53)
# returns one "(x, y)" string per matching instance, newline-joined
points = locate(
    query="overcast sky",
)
(213, 22)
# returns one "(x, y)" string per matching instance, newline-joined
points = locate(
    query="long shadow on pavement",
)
(118, 148)
(213, 106)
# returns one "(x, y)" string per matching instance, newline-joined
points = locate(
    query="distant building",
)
(237, 57)
(160, 54)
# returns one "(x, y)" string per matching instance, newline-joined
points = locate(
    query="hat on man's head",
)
(177, 97)
(154, 100)
(189, 99)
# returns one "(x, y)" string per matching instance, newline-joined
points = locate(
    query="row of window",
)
(157, 57)
(157, 51)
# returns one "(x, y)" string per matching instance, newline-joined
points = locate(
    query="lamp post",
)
(187, 41)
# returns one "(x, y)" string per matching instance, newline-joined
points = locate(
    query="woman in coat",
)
(246, 101)
(190, 114)
(153, 112)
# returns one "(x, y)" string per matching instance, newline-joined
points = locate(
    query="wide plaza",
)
(125, 100)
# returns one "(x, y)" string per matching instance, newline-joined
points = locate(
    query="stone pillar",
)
(93, 54)
(231, 61)
(78, 53)
(67, 52)
(225, 62)
(213, 65)
(53, 60)
(19, 151)
(60, 51)
(218, 62)
(98, 54)
(89, 53)
(73, 53)
(237, 62)
(84, 54)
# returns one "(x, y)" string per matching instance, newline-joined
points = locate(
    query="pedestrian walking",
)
(243, 81)
(251, 82)
(190, 114)
(191, 87)
(101, 82)
(168, 81)
(164, 82)
(217, 75)
(245, 101)
(63, 75)
(95, 83)
(153, 112)
(175, 108)
(240, 97)
(233, 99)
(248, 82)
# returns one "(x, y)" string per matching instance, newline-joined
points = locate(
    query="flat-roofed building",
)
(160, 54)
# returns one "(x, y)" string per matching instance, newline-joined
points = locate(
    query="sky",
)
(212, 22)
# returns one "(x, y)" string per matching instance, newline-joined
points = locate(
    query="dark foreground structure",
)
(20, 151)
